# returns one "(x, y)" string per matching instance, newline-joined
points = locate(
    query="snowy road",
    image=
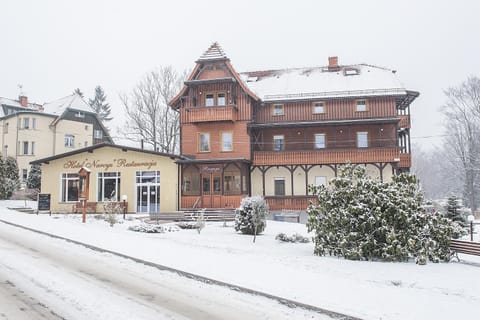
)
(45, 278)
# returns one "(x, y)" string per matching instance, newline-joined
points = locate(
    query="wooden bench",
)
(166, 216)
(466, 247)
(212, 215)
(90, 207)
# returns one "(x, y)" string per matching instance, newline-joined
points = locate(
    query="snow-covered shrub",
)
(199, 219)
(251, 217)
(111, 208)
(187, 225)
(360, 218)
(150, 228)
(293, 238)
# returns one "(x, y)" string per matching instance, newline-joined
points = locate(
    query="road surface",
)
(46, 278)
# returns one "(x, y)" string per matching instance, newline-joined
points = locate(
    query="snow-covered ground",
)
(369, 290)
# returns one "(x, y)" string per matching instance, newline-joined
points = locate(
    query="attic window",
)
(209, 67)
(79, 114)
(351, 72)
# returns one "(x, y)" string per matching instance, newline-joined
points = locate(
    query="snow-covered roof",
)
(16, 103)
(214, 52)
(320, 82)
(73, 101)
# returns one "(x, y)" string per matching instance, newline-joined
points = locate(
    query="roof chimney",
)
(23, 101)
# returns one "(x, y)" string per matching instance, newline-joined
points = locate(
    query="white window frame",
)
(281, 138)
(320, 144)
(79, 114)
(26, 123)
(362, 139)
(209, 102)
(64, 179)
(69, 140)
(227, 141)
(98, 134)
(25, 147)
(318, 104)
(32, 150)
(34, 123)
(278, 110)
(202, 140)
(224, 102)
(101, 178)
(361, 105)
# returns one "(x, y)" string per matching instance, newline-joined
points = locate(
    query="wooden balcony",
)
(405, 160)
(327, 156)
(209, 114)
(404, 121)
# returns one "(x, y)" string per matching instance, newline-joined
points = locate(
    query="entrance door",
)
(148, 198)
(211, 190)
(148, 191)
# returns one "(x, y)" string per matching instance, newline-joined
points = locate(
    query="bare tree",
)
(462, 144)
(148, 116)
(435, 173)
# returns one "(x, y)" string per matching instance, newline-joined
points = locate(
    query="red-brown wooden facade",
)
(218, 178)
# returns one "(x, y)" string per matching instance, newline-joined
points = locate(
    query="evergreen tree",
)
(99, 104)
(9, 178)
(79, 92)
(33, 180)
(360, 218)
(453, 211)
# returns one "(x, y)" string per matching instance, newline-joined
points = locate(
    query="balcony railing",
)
(327, 156)
(405, 160)
(209, 114)
(404, 121)
(289, 202)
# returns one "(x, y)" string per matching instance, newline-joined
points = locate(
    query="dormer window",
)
(361, 105)
(351, 72)
(79, 114)
(278, 109)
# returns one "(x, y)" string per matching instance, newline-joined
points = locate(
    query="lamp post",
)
(124, 198)
(470, 219)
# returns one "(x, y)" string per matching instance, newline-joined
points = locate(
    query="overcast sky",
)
(53, 47)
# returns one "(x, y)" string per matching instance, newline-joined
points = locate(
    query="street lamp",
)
(124, 198)
(470, 219)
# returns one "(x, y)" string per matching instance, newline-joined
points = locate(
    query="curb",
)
(284, 301)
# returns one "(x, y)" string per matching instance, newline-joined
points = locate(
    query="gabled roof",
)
(215, 52)
(103, 145)
(320, 82)
(73, 101)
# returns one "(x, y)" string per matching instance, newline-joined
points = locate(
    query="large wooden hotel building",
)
(274, 132)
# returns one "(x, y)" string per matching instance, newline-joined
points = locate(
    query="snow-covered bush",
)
(150, 228)
(251, 217)
(293, 238)
(360, 218)
(199, 218)
(111, 208)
